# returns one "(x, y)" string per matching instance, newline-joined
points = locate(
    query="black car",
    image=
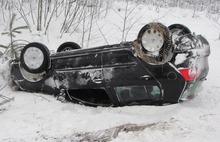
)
(163, 65)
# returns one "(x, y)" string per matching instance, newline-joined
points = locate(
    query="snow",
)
(41, 117)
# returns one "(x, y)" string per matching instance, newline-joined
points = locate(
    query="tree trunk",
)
(39, 17)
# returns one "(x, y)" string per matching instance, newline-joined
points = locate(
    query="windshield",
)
(129, 94)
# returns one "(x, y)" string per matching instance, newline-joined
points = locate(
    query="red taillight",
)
(189, 74)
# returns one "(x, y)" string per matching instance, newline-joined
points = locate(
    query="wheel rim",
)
(152, 40)
(33, 57)
(67, 48)
(176, 33)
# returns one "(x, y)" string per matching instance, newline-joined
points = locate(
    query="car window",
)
(118, 58)
(129, 94)
(93, 97)
(83, 61)
(91, 60)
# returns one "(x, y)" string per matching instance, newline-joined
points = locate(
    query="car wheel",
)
(35, 58)
(154, 44)
(67, 46)
(178, 30)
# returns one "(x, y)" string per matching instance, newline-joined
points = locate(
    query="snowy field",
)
(40, 117)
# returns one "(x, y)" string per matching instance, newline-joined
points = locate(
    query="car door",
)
(130, 82)
(118, 67)
(79, 71)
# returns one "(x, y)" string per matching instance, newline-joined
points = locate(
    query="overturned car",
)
(163, 65)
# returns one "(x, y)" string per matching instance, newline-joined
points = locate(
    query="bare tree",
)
(47, 23)
(68, 21)
(90, 25)
(11, 32)
(126, 20)
(32, 13)
(23, 15)
(102, 33)
(83, 28)
(39, 16)
(47, 7)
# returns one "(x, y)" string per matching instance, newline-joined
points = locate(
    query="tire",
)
(158, 38)
(67, 46)
(35, 58)
(179, 29)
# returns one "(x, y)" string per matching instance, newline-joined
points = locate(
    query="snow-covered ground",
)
(40, 117)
